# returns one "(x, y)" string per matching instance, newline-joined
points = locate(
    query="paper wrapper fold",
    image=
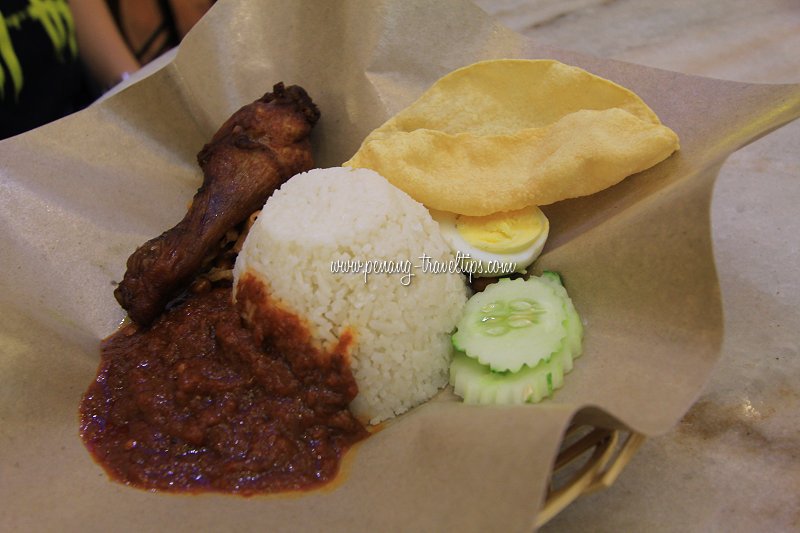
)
(77, 196)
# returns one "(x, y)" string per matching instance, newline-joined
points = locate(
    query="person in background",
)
(151, 27)
(104, 52)
(56, 57)
(117, 37)
(41, 78)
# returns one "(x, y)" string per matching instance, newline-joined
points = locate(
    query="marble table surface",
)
(733, 462)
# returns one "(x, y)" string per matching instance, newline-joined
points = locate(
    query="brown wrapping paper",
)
(79, 195)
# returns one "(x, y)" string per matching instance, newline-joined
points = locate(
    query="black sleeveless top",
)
(167, 26)
(41, 76)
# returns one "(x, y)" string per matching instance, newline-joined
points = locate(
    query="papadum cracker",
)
(500, 135)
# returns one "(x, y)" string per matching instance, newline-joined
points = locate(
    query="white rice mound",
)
(402, 332)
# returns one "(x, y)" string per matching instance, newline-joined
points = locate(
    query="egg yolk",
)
(504, 232)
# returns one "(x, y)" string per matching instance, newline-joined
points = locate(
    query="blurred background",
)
(58, 56)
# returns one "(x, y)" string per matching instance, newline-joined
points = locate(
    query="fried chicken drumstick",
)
(258, 148)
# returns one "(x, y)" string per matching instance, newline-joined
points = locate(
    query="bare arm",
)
(100, 44)
(188, 12)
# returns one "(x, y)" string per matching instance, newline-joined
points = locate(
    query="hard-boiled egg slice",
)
(497, 244)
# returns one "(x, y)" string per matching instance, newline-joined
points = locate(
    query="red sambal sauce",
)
(195, 403)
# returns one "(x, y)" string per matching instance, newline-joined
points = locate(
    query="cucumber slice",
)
(478, 384)
(573, 325)
(513, 323)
